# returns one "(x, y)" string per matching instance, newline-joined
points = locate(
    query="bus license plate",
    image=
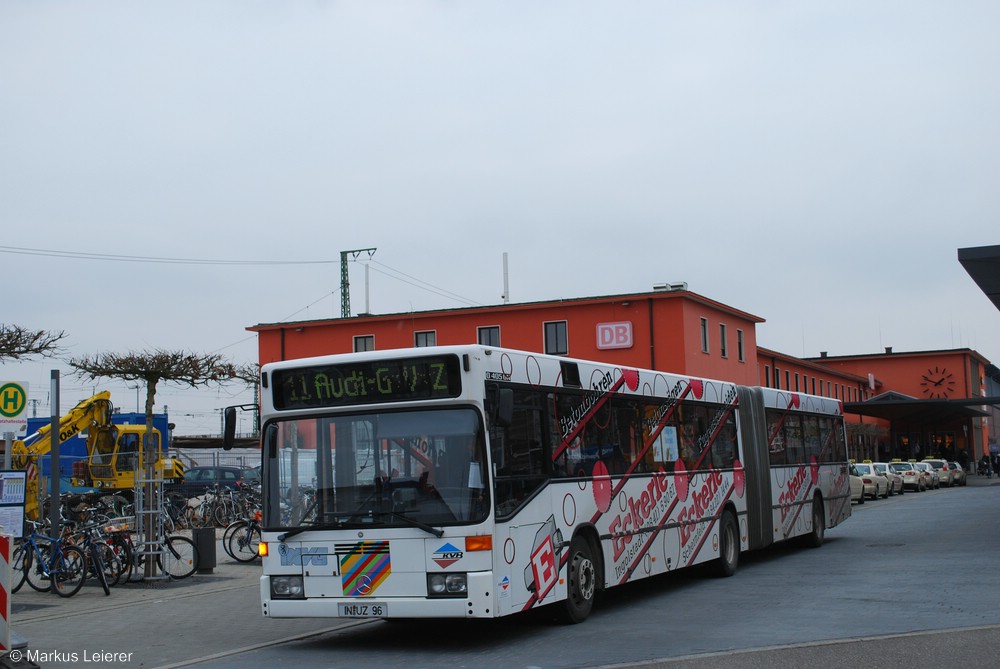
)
(363, 610)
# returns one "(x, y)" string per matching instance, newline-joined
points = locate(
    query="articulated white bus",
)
(477, 482)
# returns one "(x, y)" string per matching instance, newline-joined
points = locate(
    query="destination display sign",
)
(367, 382)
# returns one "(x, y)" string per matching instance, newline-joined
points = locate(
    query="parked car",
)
(931, 478)
(895, 480)
(943, 472)
(912, 477)
(198, 480)
(958, 475)
(857, 486)
(879, 483)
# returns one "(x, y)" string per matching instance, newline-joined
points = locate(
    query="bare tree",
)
(181, 367)
(248, 374)
(18, 343)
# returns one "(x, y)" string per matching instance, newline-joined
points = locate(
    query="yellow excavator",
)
(115, 453)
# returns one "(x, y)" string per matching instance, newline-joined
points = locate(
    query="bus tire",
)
(729, 545)
(816, 537)
(581, 582)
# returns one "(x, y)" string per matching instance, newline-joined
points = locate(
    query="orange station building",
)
(906, 405)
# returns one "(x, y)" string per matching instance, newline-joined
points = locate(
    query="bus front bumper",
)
(479, 602)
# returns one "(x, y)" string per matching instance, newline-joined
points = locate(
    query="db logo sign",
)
(614, 335)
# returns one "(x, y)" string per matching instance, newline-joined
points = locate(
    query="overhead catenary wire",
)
(83, 255)
(423, 285)
(379, 267)
(388, 271)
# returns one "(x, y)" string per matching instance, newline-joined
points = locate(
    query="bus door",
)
(529, 571)
(757, 467)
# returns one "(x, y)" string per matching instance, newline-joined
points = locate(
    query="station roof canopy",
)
(898, 407)
(983, 265)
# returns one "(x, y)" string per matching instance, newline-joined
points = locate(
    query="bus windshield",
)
(377, 469)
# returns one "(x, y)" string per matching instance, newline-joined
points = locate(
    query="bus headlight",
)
(287, 587)
(447, 585)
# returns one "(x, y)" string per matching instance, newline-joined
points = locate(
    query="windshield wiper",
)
(309, 528)
(414, 522)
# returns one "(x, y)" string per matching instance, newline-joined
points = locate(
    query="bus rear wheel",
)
(729, 546)
(815, 538)
(581, 582)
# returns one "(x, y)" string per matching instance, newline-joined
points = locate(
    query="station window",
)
(767, 376)
(489, 336)
(704, 335)
(556, 338)
(364, 343)
(723, 344)
(425, 338)
(740, 351)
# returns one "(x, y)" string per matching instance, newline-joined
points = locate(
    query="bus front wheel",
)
(581, 582)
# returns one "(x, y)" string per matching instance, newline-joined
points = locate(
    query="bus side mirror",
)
(229, 428)
(505, 407)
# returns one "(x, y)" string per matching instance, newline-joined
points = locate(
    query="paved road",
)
(891, 578)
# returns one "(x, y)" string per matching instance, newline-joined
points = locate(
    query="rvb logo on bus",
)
(614, 335)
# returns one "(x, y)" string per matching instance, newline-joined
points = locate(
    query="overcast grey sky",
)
(816, 164)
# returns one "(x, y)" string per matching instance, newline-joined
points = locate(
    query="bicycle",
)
(176, 556)
(17, 573)
(102, 561)
(242, 538)
(173, 513)
(200, 511)
(50, 564)
(119, 539)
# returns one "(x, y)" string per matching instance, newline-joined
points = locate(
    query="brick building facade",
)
(677, 330)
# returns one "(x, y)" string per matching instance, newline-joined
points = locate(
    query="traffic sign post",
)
(13, 414)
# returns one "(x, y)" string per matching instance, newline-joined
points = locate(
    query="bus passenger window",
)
(776, 447)
(724, 448)
(793, 440)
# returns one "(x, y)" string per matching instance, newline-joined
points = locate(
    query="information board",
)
(12, 489)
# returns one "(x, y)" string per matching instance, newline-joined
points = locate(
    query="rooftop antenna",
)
(506, 281)
(345, 281)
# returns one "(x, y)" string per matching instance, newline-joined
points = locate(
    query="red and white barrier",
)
(6, 543)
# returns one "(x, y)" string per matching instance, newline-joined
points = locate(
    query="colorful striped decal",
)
(364, 566)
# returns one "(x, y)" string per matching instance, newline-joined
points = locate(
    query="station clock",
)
(937, 383)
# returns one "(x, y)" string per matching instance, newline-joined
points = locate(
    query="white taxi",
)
(958, 476)
(932, 480)
(944, 473)
(895, 479)
(880, 483)
(912, 477)
(857, 486)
